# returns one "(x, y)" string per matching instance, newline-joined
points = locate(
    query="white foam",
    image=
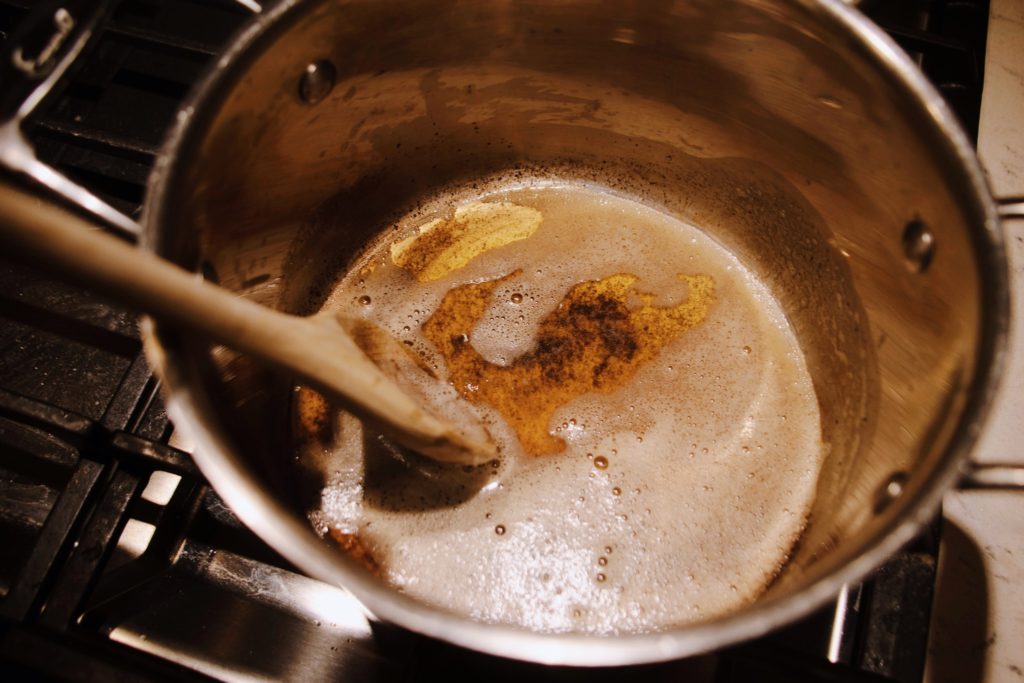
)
(713, 447)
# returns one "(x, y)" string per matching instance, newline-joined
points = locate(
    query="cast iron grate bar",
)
(896, 609)
(104, 123)
(153, 454)
(134, 387)
(23, 597)
(68, 328)
(155, 38)
(119, 590)
(194, 26)
(95, 544)
(96, 139)
(63, 423)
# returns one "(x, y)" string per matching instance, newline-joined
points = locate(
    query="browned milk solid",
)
(677, 495)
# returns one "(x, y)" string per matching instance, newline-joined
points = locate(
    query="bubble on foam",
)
(676, 512)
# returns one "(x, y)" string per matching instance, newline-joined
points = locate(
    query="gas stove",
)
(119, 560)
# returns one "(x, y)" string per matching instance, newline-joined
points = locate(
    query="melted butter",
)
(593, 341)
(443, 246)
(356, 548)
(312, 416)
(692, 440)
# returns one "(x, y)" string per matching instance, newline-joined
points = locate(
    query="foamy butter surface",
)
(670, 496)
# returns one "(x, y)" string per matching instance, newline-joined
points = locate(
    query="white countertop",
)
(977, 631)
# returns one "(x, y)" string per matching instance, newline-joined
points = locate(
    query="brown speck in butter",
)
(593, 341)
(354, 547)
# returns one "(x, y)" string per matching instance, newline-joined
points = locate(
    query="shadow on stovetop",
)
(426, 659)
(959, 630)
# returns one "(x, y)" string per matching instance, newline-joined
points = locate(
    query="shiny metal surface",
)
(994, 477)
(250, 5)
(1011, 207)
(317, 81)
(795, 133)
(216, 623)
(73, 28)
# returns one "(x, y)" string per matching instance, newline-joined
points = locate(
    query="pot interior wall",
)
(763, 123)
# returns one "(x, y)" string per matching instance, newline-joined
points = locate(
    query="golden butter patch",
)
(313, 416)
(443, 245)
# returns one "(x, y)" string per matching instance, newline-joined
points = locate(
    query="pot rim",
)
(286, 532)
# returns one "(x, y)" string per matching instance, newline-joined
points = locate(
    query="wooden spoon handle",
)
(316, 350)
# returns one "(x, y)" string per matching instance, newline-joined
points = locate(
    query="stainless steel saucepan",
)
(793, 131)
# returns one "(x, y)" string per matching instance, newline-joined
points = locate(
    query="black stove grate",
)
(85, 456)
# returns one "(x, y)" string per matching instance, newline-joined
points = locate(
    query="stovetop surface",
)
(120, 562)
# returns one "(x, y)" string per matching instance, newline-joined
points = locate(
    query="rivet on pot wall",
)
(918, 246)
(317, 81)
(891, 489)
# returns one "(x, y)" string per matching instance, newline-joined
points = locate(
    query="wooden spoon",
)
(316, 350)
